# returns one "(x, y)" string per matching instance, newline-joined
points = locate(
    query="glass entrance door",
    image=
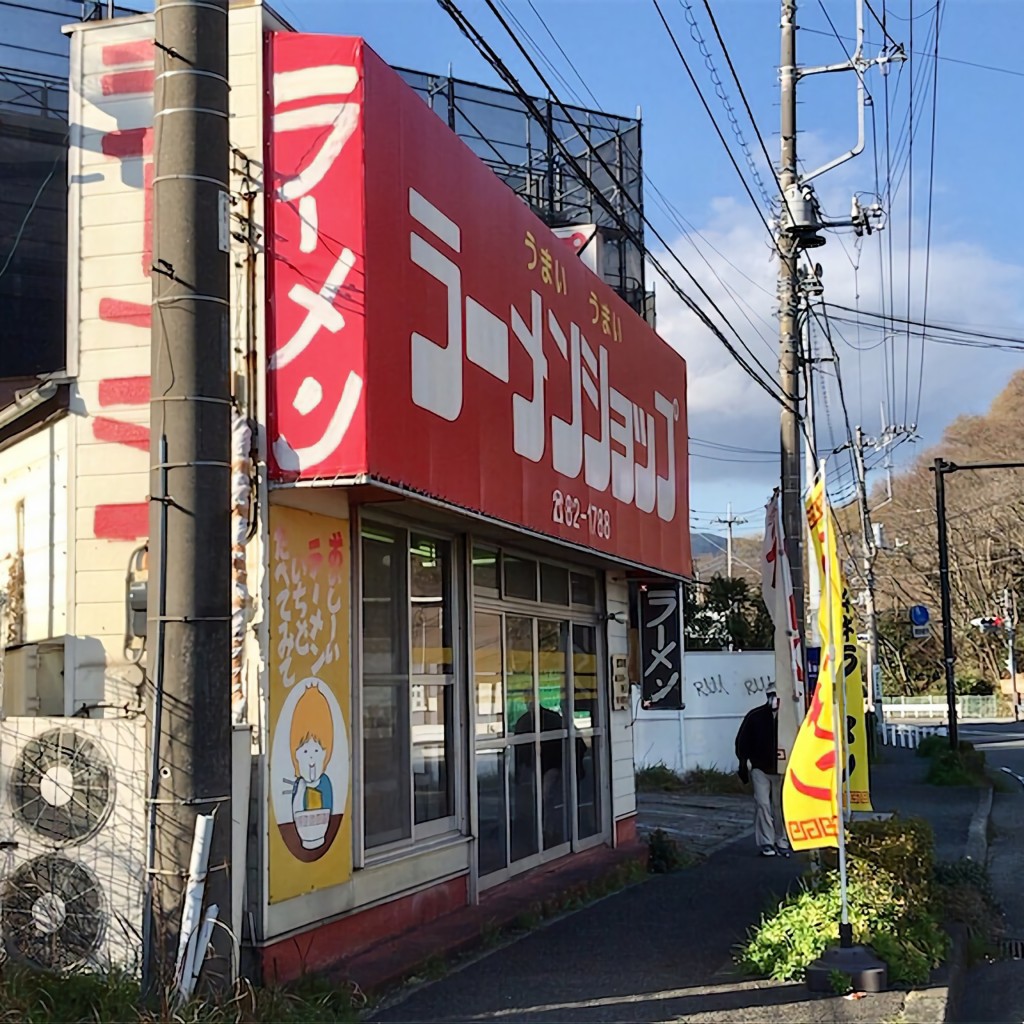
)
(538, 717)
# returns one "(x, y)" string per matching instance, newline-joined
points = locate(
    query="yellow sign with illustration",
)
(310, 701)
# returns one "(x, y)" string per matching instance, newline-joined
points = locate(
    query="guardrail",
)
(897, 734)
(967, 706)
(906, 709)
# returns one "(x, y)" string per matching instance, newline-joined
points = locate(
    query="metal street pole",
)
(190, 541)
(1010, 612)
(940, 468)
(789, 333)
(868, 554)
(813, 582)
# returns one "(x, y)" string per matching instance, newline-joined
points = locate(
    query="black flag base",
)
(858, 963)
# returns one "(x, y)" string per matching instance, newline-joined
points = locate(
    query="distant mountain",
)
(706, 543)
(709, 556)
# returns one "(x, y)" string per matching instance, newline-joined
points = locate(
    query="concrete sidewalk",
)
(662, 951)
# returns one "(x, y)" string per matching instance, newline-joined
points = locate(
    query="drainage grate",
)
(1011, 949)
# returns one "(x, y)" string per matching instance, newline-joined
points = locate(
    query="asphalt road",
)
(995, 991)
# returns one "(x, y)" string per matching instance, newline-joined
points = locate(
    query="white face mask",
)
(773, 703)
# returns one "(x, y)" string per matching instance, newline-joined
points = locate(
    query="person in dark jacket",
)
(757, 745)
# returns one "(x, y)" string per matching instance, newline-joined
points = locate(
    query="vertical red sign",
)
(316, 358)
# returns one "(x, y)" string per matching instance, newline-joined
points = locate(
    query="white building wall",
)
(109, 292)
(620, 724)
(720, 687)
(34, 528)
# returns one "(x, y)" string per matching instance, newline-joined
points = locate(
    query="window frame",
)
(454, 825)
(487, 602)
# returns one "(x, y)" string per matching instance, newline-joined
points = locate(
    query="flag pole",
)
(838, 723)
(865, 971)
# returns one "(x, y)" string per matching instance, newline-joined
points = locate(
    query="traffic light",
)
(990, 623)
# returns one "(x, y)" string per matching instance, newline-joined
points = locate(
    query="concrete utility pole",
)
(868, 553)
(189, 552)
(800, 220)
(729, 521)
(789, 335)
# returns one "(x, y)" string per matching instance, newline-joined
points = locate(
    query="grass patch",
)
(891, 908)
(962, 767)
(964, 891)
(36, 997)
(659, 778)
(665, 855)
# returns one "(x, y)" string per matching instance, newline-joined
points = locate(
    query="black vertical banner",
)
(661, 647)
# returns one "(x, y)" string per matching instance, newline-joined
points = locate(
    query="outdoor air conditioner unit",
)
(73, 823)
(33, 680)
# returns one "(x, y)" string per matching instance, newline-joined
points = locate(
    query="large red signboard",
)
(428, 331)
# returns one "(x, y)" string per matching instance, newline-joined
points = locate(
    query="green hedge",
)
(891, 908)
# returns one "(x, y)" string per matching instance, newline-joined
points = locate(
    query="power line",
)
(732, 447)
(918, 53)
(32, 206)
(572, 66)
(710, 113)
(675, 217)
(931, 199)
(966, 331)
(698, 37)
(489, 54)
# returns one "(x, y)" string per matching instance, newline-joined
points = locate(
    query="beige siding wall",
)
(34, 531)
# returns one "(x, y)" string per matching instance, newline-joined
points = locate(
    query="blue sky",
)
(975, 260)
(976, 264)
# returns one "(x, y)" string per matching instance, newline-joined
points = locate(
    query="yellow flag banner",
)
(809, 802)
(843, 629)
(856, 740)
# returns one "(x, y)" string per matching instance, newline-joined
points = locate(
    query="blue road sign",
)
(919, 615)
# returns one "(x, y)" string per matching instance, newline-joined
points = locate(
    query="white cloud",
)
(968, 284)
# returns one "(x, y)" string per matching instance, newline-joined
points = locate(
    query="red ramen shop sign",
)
(429, 332)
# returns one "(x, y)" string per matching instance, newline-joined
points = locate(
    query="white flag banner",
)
(777, 591)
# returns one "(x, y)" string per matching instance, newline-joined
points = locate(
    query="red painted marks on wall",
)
(129, 521)
(127, 83)
(139, 51)
(132, 435)
(126, 143)
(117, 311)
(131, 73)
(121, 522)
(124, 391)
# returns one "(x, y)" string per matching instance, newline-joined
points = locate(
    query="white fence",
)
(899, 735)
(967, 706)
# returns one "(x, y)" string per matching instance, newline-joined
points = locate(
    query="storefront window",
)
(520, 577)
(409, 747)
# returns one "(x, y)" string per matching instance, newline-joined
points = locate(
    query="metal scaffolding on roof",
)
(522, 150)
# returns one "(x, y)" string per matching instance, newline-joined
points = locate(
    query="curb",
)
(977, 833)
(942, 1000)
